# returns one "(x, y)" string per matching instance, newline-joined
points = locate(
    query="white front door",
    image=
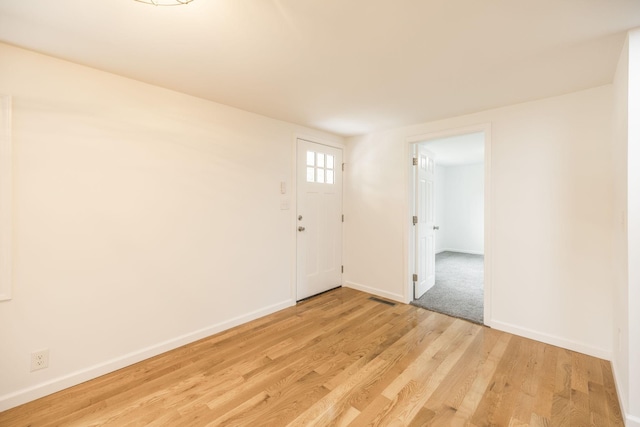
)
(424, 221)
(319, 218)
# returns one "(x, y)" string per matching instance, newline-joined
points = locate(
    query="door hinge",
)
(415, 277)
(343, 167)
(342, 217)
(415, 220)
(415, 161)
(342, 269)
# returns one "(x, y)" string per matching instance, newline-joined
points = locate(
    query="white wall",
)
(551, 216)
(143, 219)
(463, 209)
(626, 229)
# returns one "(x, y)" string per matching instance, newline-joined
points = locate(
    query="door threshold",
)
(321, 293)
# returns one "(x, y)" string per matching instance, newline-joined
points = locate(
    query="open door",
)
(424, 222)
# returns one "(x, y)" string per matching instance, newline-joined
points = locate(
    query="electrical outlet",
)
(39, 360)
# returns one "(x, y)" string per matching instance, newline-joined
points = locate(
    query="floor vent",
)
(382, 301)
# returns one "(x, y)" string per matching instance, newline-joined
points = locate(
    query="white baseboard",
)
(374, 291)
(550, 339)
(630, 420)
(506, 327)
(462, 251)
(40, 390)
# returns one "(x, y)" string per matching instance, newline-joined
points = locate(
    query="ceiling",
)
(457, 150)
(344, 66)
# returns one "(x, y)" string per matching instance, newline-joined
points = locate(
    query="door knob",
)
(436, 227)
(300, 228)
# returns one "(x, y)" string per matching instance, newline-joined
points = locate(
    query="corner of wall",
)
(630, 420)
(373, 291)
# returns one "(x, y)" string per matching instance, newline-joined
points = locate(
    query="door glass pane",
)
(329, 177)
(329, 161)
(320, 176)
(310, 174)
(320, 160)
(310, 158)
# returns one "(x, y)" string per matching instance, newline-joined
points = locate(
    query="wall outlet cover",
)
(39, 360)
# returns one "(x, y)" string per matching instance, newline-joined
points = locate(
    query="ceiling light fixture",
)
(165, 2)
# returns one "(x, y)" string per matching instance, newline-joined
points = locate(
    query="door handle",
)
(301, 228)
(436, 227)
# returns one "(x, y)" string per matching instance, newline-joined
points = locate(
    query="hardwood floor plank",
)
(546, 387)
(424, 417)
(293, 363)
(321, 411)
(579, 415)
(427, 358)
(405, 351)
(340, 359)
(529, 384)
(597, 404)
(539, 421)
(452, 390)
(493, 408)
(375, 410)
(594, 369)
(396, 356)
(579, 373)
(345, 419)
(564, 371)
(476, 392)
(423, 382)
(560, 411)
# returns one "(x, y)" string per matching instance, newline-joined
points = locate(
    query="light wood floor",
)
(342, 359)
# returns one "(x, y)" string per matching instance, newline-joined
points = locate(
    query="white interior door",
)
(319, 218)
(424, 220)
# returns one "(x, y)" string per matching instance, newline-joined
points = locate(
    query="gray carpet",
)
(458, 290)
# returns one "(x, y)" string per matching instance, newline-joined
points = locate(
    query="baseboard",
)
(374, 291)
(462, 251)
(551, 339)
(630, 420)
(40, 390)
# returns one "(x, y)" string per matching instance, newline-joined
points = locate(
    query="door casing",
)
(409, 234)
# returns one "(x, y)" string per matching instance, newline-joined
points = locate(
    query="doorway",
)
(319, 218)
(448, 247)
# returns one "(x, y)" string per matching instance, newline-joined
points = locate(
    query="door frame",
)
(293, 196)
(409, 234)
